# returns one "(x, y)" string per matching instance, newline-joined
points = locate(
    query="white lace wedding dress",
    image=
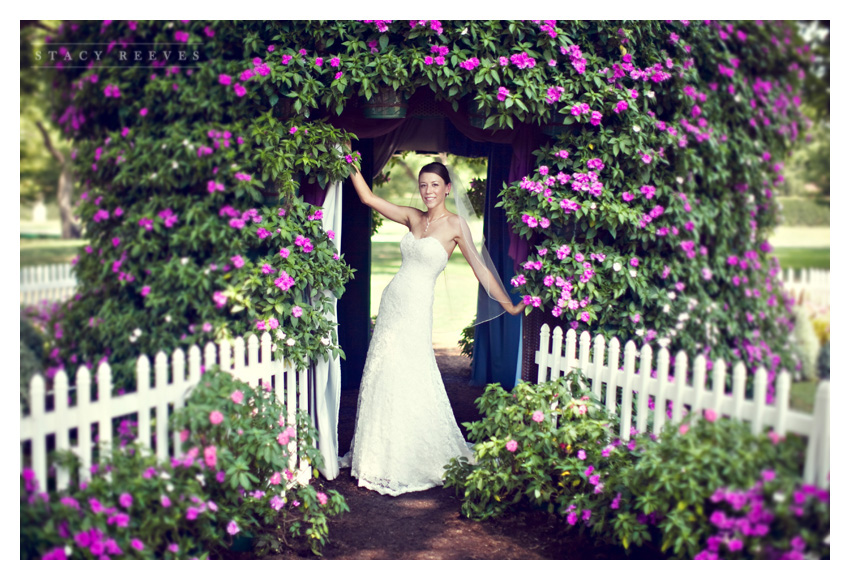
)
(405, 431)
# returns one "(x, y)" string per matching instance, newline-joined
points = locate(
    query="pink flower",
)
(224, 79)
(297, 311)
(503, 93)
(143, 112)
(210, 457)
(537, 417)
(239, 90)
(237, 397)
(275, 479)
(146, 290)
(232, 528)
(216, 417)
(511, 445)
(323, 499)
(683, 428)
(582, 455)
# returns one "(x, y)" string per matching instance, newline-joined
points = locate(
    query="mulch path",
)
(427, 525)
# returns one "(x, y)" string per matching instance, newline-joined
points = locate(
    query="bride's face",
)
(432, 189)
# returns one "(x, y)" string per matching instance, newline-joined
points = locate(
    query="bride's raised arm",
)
(491, 285)
(398, 213)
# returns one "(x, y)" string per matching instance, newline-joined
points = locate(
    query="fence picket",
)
(718, 387)
(783, 401)
(626, 406)
(739, 385)
(613, 371)
(663, 388)
(680, 384)
(62, 422)
(559, 364)
(644, 386)
(598, 364)
(760, 394)
(543, 354)
(700, 393)
(572, 363)
(84, 393)
(143, 389)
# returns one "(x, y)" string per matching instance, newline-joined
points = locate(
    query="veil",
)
(491, 290)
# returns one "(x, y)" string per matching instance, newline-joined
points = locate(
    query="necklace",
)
(428, 221)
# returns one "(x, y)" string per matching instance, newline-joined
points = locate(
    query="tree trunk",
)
(64, 189)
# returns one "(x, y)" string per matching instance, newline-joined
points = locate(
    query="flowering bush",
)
(544, 447)
(232, 477)
(647, 215)
(533, 446)
(772, 520)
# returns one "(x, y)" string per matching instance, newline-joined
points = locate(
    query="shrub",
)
(232, 478)
(530, 448)
(805, 212)
(542, 448)
(772, 520)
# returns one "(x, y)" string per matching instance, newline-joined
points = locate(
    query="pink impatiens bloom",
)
(216, 417)
(237, 397)
(232, 528)
(297, 311)
(210, 458)
(224, 79)
(537, 417)
(511, 445)
(503, 93)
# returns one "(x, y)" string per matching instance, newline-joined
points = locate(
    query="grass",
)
(49, 251)
(803, 396)
(799, 258)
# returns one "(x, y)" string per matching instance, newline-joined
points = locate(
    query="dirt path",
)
(427, 525)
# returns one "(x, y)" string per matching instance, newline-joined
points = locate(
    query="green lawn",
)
(799, 258)
(803, 396)
(49, 251)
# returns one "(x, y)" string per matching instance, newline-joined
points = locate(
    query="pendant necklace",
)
(428, 221)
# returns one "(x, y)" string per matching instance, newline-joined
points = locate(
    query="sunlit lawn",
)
(799, 258)
(49, 251)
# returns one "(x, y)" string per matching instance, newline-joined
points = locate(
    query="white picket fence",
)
(812, 284)
(560, 358)
(51, 282)
(293, 388)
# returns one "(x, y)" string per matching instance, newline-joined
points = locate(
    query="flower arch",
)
(645, 213)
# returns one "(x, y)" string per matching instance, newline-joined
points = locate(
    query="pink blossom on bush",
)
(511, 445)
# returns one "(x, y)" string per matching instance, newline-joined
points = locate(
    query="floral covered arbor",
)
(643, 212)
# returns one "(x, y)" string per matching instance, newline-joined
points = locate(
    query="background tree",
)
(46, 169)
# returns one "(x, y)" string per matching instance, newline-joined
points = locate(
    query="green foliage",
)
(232, 475)
(540, 447)
(775, 519)
(467, 339)
(704, 113)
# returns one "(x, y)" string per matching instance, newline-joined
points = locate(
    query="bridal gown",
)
(405, 431)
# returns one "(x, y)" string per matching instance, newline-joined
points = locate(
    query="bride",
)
(405, 430)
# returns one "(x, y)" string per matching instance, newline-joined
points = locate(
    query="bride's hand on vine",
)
(516, 308)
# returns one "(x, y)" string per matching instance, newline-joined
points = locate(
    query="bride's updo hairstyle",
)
(439, 169)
